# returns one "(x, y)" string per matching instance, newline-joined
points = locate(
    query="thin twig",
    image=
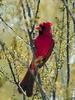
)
(67, 46)
(10, 66)
(24, 15)
(13, 30)
(28, 9)
(36, 15)
(6, 24)
(66, 5)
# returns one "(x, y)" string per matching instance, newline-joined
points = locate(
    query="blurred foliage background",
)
(16, 39)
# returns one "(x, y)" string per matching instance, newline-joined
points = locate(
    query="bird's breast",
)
(43, 44)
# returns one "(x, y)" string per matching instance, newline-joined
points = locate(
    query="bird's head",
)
(44, 28)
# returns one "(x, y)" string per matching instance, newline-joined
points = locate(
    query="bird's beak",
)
(51, 24)
(38, 28)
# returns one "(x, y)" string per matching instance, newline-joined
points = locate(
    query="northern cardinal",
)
(44, 44)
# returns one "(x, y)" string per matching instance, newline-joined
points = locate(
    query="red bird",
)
(44, 44)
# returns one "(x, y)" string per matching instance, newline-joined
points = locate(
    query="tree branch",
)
(67, 46)
(13, 30)
(66, 5)
(10, 66)
(24, 15)
(36, 15)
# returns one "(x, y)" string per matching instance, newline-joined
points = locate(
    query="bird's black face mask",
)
(41, 31)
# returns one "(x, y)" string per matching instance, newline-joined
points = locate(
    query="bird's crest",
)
(44, 25)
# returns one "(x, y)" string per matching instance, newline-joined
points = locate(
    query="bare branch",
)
(6, 24)
(13, 30)
(66, 5)
(36, 15)
(28, 9)
(10, 66)
(67, 46)
(2, 44)
(24, 15)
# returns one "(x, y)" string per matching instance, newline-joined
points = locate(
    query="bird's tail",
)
(28, 81)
